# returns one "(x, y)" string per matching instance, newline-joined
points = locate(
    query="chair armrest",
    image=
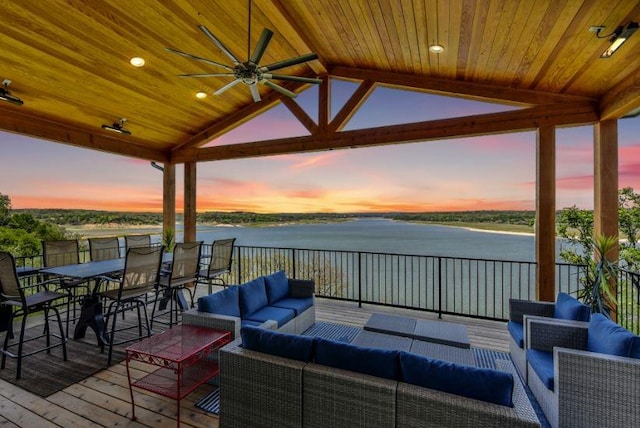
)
(206, 319)
(546, 333)
(301, 287)
(596, 389)
(519, 308)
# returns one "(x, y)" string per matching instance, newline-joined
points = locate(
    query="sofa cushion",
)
(569, 308)
(253, 296)
(298, 305)
(516, 330)
(542, 363)
(277, 286)
(302, 288)
(375, 362)
(488, 385)
(266, 313)
(635, 348)
(224, 302)
(607, 337)
(275, 343)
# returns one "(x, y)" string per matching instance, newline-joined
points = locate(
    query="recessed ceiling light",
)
(136, 61)
(436, 48)
(201, 95)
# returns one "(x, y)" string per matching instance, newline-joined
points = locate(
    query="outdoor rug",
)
(484, 358)
(44, 374)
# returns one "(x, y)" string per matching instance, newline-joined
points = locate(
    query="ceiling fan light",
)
(436, 49)
(201, 95)
(137, 61)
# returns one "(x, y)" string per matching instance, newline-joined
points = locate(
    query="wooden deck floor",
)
(103, 399)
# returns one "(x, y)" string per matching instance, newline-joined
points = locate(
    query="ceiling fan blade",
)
(292, 78)
(187, 55)
(219, 44)
(278, 88)
(289, 62)
(261, 47)
(227, 87)
(207, 75)
(255, 93)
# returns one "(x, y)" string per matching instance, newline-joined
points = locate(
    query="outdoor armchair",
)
(137, 241)
(14, 302)
(219, 263)
(104, 248)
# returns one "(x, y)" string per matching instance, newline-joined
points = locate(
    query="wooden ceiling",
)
(68, 60)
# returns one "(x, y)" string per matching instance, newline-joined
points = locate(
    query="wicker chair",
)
(219, 264)
(141, 275)
(104, 248)
(137, 241)
(14, 303)
(62, 253)
(184, 271)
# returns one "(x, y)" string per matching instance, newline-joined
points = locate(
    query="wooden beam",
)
(169, 198)
(512, 121)
(457, 88)
(352, 105)
(236, 119)
(18, 122)
(546, 214)
(324, 104)
(300, 114)
(622, 99)
(190, 185)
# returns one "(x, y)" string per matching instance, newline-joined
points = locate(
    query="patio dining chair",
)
(136, 241)
(14, 302)
(104, 248)
(219, 263)
(141, 275)
(184, 271)
(63, 253)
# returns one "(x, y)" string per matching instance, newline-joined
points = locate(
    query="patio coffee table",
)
(180, 353)
(440, 332)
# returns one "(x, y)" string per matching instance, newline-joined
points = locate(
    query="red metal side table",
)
(180, 353)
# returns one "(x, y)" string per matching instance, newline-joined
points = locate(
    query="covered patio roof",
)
(69, 63)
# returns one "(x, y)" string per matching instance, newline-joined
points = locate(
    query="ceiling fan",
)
(250, 72)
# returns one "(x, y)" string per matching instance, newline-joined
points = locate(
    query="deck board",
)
(103, 399)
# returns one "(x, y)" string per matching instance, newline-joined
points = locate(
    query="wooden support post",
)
(545, 241)
(190, 201)
(324, 104)
(605, 183)
(168, 197)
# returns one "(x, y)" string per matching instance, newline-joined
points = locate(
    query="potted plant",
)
(599, 282)
(168, 239)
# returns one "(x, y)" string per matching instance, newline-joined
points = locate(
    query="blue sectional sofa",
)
(584, 374)
(272, 301)
(564, 308)
(275, 379)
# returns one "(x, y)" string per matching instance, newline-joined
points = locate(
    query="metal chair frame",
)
(219, 263)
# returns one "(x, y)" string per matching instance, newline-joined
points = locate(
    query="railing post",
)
(239, 265)
(293, 261)
(359, 279)
(440, 287)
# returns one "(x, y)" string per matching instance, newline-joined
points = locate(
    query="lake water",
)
(381, 235)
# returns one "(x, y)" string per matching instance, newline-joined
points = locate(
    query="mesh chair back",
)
(60, 253)
(9, 285)
(221, 255)
(104, 248)
(137, 241)
(142, 269)
(186, 261)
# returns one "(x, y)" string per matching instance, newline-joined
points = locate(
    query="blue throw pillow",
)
(277, 285)
(607, 337)
(253, 296)
(374, 362)
(280, 344)
(224, 302)
(488, 385)
(569, 308)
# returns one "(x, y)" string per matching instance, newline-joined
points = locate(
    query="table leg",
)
(91, 316)
(133, 406)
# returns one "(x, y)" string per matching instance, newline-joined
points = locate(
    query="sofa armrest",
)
(519, 308)
(596, 389)
(206, 319)
(546, 333)
(302, 287)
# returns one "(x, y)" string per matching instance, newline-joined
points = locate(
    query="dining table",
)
(91, 314)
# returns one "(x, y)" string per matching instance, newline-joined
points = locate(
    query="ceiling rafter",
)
(300, 114)
(456, 88)
(511, 121)
(622, 99)
(352, 105)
